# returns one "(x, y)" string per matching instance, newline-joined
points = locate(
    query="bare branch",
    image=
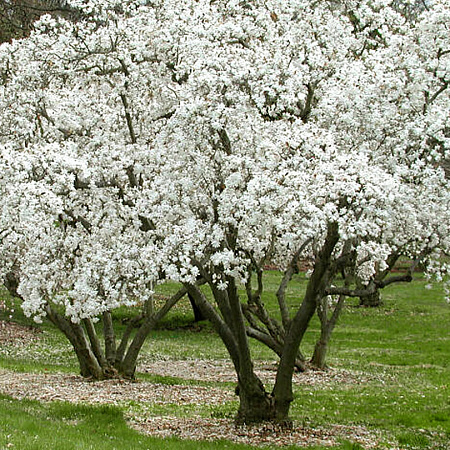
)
(288, 274)
(225, 140)
(78, 219)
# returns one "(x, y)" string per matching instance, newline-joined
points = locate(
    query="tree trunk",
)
(282, 391)
(120, 353)
(98, 364)
(222, 329)
(255, 404)
(11, 282)
(371, 300)
(318, 359)
(127, 367)
(198, 316)
(89, 366)
(110, 338)
(127, 363)
(95, 343)
(84, 348)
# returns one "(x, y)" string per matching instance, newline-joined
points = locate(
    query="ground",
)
(139, 397)
(11, 332)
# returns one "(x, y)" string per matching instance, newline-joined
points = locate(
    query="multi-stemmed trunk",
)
(256, 404)
(99, 361)
(282, 391)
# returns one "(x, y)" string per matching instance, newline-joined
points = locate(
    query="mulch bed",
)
(14, 334)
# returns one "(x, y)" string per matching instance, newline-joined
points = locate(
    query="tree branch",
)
(287, 277)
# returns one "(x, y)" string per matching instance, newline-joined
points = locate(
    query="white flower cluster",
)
(167, 139)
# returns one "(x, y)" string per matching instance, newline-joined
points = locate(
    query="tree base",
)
(318, 360)
(256, 405)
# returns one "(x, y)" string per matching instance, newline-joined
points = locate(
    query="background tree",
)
(17, 16)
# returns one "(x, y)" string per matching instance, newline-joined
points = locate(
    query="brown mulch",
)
(139, 397)
(15, 334)
(76, 389)
(265, 434)
(222, 371)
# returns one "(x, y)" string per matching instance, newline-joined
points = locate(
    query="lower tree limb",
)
(276, 346)
(110, 338)
(219, 325)
(89, 366)
(127, 365)
(120, 353)
(198, 316)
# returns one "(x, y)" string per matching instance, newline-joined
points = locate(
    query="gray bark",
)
(282, 391)
(255, 404)
(110, 338)
(275, 346)
(127, 365)
(95, 343)
(318, 359)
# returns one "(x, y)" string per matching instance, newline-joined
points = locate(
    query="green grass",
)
(31, 425)
(400, 352)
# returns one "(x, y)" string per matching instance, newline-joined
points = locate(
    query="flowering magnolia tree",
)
(75, 268)
(72, 233)
(201, 141)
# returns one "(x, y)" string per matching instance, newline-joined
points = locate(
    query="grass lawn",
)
(29, 424)
(397, 358)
